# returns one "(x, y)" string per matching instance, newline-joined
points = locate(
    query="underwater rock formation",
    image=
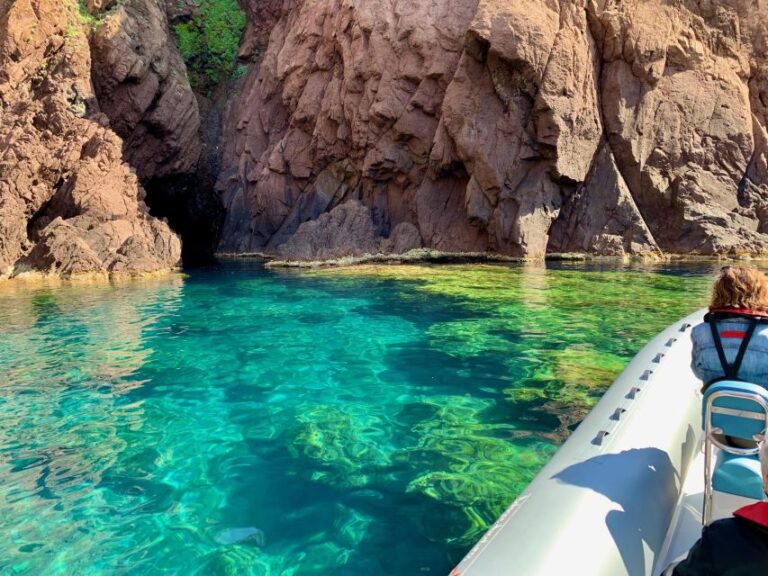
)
(528, 127)
(69, 201)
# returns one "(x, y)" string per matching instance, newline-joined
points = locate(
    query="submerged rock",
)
(247, 535)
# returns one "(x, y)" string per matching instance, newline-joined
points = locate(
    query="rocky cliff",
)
(350, 126)
(70, 199)
(526, 127)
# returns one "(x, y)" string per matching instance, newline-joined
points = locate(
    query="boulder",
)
(345, 231)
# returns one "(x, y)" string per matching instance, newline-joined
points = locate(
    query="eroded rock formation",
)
(141, 84)
(603, 126)
(69, 201)
(612, 127)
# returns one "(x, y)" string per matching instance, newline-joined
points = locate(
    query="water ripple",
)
(373, 421)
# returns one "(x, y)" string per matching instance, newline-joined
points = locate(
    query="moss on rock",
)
(209, 42)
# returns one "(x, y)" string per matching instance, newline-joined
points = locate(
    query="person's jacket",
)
(735, 546)
(706, 363)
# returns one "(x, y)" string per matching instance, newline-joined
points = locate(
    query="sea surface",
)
(368, 421)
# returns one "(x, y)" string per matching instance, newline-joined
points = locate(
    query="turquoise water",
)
(240, 421)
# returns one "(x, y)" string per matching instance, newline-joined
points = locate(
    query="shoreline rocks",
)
(429, 256)
(605, 127)
(69, 202)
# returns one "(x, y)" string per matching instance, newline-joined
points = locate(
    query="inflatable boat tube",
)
(604, 505)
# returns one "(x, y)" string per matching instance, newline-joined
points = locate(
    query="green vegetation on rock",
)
(209, 42)
(91, 20)
(84, 15)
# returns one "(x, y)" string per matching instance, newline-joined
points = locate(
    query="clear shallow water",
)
(369, 421)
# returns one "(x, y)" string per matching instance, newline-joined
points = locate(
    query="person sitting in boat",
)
(736, 546)
(732, 343)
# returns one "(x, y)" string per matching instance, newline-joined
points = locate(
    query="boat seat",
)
(738, 475)
(733, 410)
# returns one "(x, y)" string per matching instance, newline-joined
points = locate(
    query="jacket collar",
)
(739, 312)
(754, 513)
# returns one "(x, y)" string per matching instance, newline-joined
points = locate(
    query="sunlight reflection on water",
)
(368, 421)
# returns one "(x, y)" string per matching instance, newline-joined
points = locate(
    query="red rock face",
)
(69, 201)
(142, 86)
(525, 127)
(528, 127)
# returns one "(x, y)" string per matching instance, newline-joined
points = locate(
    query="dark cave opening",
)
(193, 211)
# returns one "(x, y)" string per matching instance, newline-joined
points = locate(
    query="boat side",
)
(604, 504)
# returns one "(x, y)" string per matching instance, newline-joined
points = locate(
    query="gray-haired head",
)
(764, 460)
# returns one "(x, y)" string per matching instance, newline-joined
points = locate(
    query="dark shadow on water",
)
(420, 365)
(633, 479)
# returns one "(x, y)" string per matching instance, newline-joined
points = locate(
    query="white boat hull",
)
(623, 495)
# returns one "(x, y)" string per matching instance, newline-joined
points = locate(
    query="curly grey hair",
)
(764, 458)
